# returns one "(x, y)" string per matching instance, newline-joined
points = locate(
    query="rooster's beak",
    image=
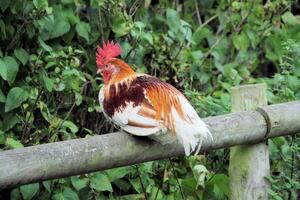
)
(99, 71)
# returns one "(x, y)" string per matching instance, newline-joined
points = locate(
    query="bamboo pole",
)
(66, 158)
(249, 164)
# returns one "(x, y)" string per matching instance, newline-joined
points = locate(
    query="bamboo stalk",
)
(62, 159)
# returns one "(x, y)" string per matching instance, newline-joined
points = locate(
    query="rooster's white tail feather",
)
(190, 131)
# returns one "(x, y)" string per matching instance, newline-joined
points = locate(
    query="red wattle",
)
(106, 76)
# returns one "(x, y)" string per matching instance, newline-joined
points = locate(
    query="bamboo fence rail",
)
(78, 156)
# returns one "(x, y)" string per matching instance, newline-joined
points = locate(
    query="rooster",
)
(143, 105)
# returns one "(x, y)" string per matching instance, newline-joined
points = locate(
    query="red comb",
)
(108, 51)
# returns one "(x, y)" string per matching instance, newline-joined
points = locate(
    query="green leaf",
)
(3, 70)
(67, 194)
(100, 182)
(83, 29)
(70, 194)
(45, 111)
(117, 173)
(15, 194)
(221, 184)
(274, 47)
(241, 42)
(97, 3)
(229, 71)
(136, 184)
(126, 48)
(40, 4)
(173, 20)
(120, 25)
(16, 96)
(290, 19)
(140, 25)
(70, 125)
(58, 196)
(122, 184)
(9, 121)
(196, 55)
(12, 69)
(2, 33)
(274, 195)
(47, 185)
(2, 97)
(253, 37)
(60, 27)
(79, 183)
(2, 137)
(148, 37)
(200, 34)
(4, 5)
(22, 55)
(47, 82)
(50, 64)
(44, 45)
(189, 184)
(78, 99)
(29, 191)
(13, 144)
(236, 5)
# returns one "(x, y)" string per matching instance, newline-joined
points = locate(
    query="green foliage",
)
(29, 191)
(66, 194)
(22, 55)
(49, 86)
(15, 97)
(100, 182)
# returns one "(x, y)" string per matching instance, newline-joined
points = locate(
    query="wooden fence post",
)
(248, 164)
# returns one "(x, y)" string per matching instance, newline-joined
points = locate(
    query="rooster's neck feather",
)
(124, 72)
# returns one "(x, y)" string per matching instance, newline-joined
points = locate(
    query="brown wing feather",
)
(162, 97)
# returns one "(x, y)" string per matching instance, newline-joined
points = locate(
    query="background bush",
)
(49, 86)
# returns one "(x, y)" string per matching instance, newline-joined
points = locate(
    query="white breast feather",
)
(101, 99)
